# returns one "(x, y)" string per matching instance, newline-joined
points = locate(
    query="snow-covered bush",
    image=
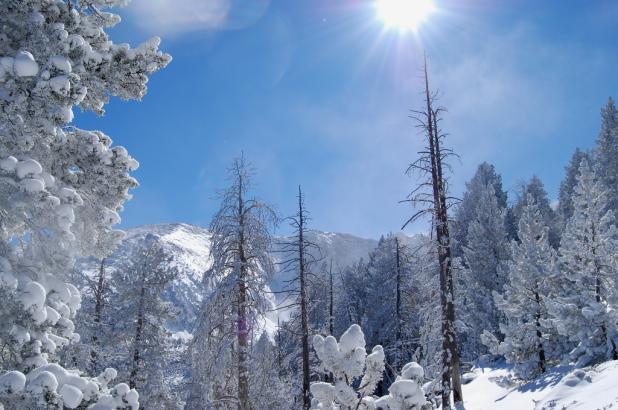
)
(53, 387)
(356, 375)
(61, 188)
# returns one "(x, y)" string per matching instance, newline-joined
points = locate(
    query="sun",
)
(404, 14)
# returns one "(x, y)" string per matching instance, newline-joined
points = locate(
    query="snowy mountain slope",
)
(562, 387)
(189, 245)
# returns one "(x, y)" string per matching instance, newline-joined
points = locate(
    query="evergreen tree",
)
(268, 387)
(472, 199)
(585, 309)
(393, 323)
(528, 339)
(606, 153)
(486, 256)
(61, 187)
(535, 189)
(567, 187)
(139, 316)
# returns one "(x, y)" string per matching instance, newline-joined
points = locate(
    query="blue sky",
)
(317, 93)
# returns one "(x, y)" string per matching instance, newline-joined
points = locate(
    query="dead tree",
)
(300, 254)
(432, 199)
(241, 245)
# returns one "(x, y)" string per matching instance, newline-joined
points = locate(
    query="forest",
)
(237, 316)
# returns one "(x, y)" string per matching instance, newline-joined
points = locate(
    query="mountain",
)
(189, 246)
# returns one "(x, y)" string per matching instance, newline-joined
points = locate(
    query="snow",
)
(11, 382)
(32, 185)
(8, 164)
(33, 296)
(562, 387)
(24, 65)
(60, 84)
(71, 396)
(61, 63)
(28, 167)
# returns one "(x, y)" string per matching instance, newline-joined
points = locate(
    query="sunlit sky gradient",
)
(318, 93)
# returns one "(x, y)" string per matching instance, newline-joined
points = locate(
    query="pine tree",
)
(528, 339)
(241, 242)
(567, 187)
(269, 389)
(584, 311)
(535, 189)
(606, 152)
(139, 282)
(393, 323)
(486, 255)
(472, 199)
(61, 187)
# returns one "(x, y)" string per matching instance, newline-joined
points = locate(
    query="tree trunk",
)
(139, 328)
(539, 334)
(397, 304)
(303, 301)
(242, 325)
(450, 351)
(331, 304)
(98, 308)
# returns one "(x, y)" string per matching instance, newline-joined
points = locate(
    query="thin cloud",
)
(177, 17)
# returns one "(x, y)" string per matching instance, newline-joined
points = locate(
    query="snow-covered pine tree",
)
(241, 267)
(62, 187)
(467, 210)
(353, 296)
(486, 255)
(268, 388)
(584, 310)
(567, 187)
(528, 339)
(606, 152)
(394, 322)
(144, 352)
(426, 274)
(535, 189)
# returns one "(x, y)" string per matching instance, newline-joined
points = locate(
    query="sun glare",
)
(404, 14)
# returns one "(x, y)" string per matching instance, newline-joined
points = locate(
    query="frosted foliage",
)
(53, 387)
(529, 340)
(584, 309)
(485, 255)
(348, 362)
(61, 188)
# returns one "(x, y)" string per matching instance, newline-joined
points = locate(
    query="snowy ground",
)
(561, 388)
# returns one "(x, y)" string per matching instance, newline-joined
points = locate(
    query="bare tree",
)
(299, 256)
(436, 203)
